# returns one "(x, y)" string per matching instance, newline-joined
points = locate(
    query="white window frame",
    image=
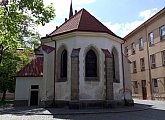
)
(151, 38)
(141, 44)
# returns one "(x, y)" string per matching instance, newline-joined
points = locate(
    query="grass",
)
(6, 102)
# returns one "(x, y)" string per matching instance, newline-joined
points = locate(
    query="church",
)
(80, 64)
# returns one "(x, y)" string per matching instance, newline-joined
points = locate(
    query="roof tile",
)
(32, 69)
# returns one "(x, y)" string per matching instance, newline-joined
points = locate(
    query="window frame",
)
(142, 64)
(135, 87)
(134, 66)
(155, 82)
(126, 50)
(87, 75)
(153, 61)
(161, 31)
(163, 57)
(141, 44)
(133, 46)
(151, 39)
(63, 72)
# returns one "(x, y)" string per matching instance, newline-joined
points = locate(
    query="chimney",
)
(65, 19)
(75, 11)
(56, 27)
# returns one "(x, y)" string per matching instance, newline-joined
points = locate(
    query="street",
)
(155, 111)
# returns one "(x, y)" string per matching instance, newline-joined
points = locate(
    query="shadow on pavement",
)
(138, 111)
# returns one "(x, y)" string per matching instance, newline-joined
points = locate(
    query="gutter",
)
(123, 72)
(54, 71)
(149, 66)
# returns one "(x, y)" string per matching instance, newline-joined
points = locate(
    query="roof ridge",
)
(66, 21)
(80, 17)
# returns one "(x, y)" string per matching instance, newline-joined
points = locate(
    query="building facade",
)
(82, 65)
(145, 48)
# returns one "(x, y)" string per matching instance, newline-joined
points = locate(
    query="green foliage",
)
(12, 62)
(19, 18)
(6, 102)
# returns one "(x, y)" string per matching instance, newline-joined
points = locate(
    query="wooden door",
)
(144, 90)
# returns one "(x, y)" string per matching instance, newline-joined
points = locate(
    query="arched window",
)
(91, 64)
(115, 65)
(63, 71)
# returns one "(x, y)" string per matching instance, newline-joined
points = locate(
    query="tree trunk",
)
(4, 96)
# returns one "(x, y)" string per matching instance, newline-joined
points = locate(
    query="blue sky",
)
(120, 16)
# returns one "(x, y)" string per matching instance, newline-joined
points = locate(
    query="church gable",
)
(82, 21)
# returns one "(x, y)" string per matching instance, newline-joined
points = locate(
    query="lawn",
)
(6, 102)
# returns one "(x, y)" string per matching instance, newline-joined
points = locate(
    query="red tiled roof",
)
(82, 21)
(32, 69)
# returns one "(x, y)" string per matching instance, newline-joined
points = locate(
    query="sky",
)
(120, 16)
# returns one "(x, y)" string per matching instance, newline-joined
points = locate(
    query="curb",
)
(77, 113)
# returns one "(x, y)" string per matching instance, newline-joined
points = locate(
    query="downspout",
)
(54, 72)
(149, 67)
(123, 72)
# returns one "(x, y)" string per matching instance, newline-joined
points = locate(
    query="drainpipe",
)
(149, 64)
(54, 72)
(123, 73)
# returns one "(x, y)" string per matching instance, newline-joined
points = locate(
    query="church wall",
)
(48, 74)
(95, 90)
(89, 90)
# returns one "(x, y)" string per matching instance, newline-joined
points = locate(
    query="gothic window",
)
(91, 64)
(115, 65)
(63, 71)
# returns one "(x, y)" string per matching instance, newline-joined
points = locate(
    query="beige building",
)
(145, 48)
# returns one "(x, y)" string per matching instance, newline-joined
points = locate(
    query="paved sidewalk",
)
(66, 111)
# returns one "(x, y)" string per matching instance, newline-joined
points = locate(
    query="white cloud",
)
(62, 6)
(123, 29)
(48, 28)
(147, 13)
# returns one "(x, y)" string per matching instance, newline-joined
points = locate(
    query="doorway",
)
(34, 94)
(144, 90)
(34, 98)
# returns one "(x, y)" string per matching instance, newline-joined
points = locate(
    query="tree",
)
(12, 62)
(18, 19)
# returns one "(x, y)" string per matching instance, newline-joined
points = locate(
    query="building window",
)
(133, 47)
(141, 44)
(152, 61)
(34, 86)
(115, 65)
(91, 64)
(142, 64)
(126, 51)
(155, 85)
(134, 67)
(63, 70)
(151, 38)
(135, 87)
(155, 82)
(162, 32)
(163, 58)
